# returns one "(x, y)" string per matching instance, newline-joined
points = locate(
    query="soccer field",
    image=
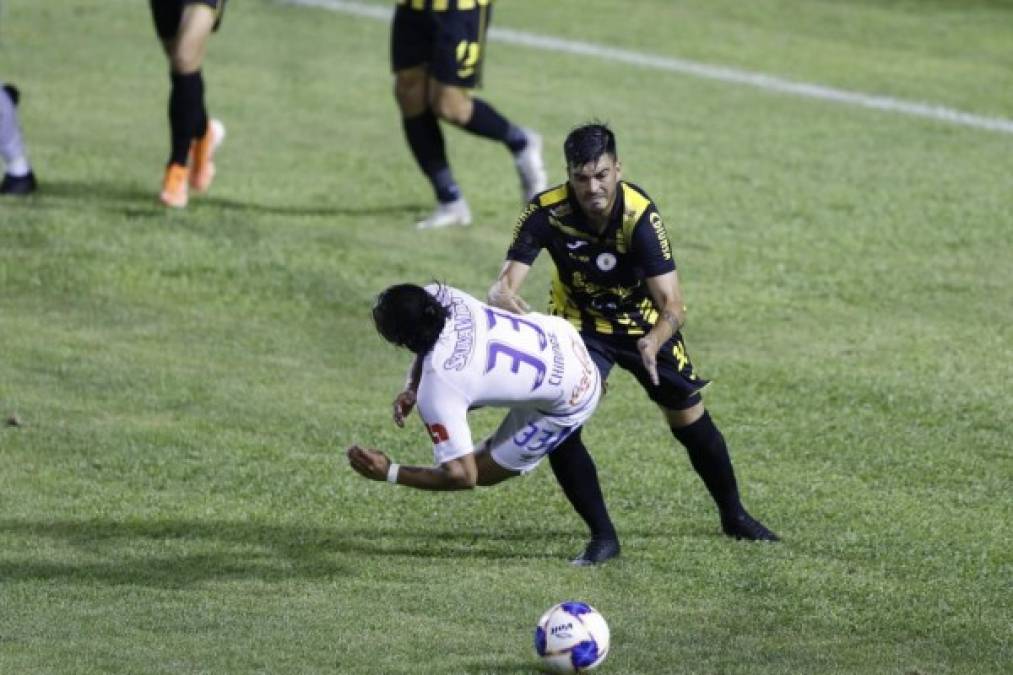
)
(175, 497)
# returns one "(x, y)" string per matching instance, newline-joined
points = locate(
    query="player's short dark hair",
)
(407, 316)
(587, 143)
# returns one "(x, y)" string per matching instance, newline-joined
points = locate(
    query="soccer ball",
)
(572, 637)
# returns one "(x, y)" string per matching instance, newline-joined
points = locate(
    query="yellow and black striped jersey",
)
(443, 5)
(599, 282)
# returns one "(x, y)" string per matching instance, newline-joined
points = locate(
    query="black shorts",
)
(450, 42)
(679, 387)
(168, 13)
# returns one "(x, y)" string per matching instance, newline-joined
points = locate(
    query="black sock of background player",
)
(188, 118)
(577, 475)
(488, 123)
(709, 455)
(425, 139)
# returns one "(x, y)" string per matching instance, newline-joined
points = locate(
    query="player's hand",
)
(498, 297)
(403, 404)
(648, 348)
(371, 464)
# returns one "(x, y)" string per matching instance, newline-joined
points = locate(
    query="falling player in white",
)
(467, 355)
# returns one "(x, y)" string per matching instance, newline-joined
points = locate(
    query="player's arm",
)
(530, 235)
(504, 293)
(454, 474)
(667, 297)
(653, 252)
(405, 401)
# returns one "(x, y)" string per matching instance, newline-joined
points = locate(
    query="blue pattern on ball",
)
(540, 641)
(584, 654)
(577, 608)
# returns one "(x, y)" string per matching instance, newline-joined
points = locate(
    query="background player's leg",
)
(457, 106)
(188, 119)
(694, 428)
(425, 139)
(18, 177)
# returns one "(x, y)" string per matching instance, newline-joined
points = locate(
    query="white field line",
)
(731, 75)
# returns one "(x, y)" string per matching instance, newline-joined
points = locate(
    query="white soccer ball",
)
(572, 637)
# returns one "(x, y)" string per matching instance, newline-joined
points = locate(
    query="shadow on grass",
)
(180, 553)
(515, 667)
(136, 200)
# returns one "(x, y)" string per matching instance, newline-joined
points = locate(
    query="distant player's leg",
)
(411, 46)
(185, 47)
(425, 139)
(456, 68)
(457, 106)
(577, 475)
(207, 142)
(18, 176)
(708, 453)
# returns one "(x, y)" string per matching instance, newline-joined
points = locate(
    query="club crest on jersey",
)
(606, 262)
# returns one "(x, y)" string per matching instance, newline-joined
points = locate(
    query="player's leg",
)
(18, 177)
(425, 140)
(456, 69)
(577, 475)
(411, 46)
(695, 430)
(678, 397)
(520, 443)
(489, 472)
(188, 119)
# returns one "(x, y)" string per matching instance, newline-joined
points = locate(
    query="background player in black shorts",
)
(437, 48)
(184, 27)
(616, 280)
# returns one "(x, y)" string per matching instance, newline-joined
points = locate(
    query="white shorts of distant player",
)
(526, 436)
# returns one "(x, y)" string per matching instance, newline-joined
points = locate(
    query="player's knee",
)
(410, 93)
(185, 60)
(451, 105)
(677, 419)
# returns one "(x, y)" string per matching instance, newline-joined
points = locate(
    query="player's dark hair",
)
(587, 143)
(407, 316)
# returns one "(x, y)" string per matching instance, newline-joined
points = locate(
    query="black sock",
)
(188, 119)
(709, 455)
(425, 139)
(578, 476)
(488, 123)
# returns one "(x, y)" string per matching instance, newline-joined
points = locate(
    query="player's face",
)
(594, 185)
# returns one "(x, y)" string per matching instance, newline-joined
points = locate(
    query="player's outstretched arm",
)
(503, 293)
(457, 474)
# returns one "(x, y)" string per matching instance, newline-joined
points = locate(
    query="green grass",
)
(175, 499)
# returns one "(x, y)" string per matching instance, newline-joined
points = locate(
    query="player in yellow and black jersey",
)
(437, 49)
(616, 280)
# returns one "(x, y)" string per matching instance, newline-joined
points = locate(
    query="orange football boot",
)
(174, 186)
(202, 153)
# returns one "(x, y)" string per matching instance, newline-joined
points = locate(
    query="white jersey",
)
(491, 357)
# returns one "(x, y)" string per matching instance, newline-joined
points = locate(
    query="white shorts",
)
(525, 436)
